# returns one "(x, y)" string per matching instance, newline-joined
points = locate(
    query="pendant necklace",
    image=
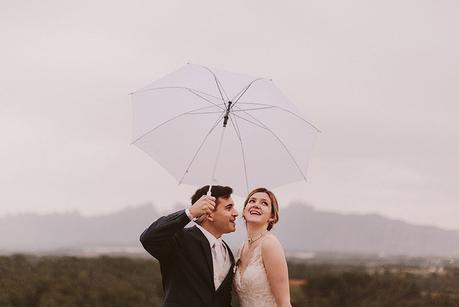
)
(256, 237)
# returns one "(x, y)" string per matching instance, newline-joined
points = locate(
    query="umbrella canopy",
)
(209, 126)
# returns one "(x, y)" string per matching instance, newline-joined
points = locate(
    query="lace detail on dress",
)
(252, 285)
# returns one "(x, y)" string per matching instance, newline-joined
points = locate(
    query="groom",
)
(196, 265)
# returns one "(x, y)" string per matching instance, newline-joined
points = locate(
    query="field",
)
(121, 281)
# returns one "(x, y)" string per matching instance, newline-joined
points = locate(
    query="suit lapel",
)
(229, 253)
(205, 247)
(229, 276)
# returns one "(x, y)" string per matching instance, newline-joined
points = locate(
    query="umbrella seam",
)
(192, 91)
(200, 146)
(285, 110)
(165, 122)
(244, 90)
(278, 138)
(218, 83)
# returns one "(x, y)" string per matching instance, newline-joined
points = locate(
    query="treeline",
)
(116, 281)
(355, 286)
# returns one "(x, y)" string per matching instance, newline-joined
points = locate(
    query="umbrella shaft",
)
(226, 117)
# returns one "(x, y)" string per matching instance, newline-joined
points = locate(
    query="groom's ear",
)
(210, 217)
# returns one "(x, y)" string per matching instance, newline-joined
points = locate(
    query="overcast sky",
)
(380, 79)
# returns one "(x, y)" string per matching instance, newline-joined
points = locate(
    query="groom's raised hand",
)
(204, 205)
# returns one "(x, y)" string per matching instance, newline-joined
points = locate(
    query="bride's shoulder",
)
(270, 243)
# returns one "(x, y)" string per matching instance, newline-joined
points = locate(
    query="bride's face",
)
(258, 209)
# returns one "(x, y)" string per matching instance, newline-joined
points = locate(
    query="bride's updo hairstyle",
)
(274, 204)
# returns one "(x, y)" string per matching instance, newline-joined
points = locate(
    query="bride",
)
(261, 276)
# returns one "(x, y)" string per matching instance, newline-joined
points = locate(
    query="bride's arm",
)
(275, 264)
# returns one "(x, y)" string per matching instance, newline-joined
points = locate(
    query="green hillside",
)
(117, 281)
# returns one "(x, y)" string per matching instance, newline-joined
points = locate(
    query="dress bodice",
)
(251, 285)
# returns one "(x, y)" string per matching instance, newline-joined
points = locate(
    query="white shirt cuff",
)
(188, 213)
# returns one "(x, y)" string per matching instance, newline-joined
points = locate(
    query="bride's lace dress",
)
(252, 285)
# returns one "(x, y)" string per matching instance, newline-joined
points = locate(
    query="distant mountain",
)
(33, 232)
(362, 234)
(301, 229)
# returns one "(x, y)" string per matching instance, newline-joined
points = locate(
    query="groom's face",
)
(225, 215)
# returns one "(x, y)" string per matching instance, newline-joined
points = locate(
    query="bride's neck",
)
(254, 230)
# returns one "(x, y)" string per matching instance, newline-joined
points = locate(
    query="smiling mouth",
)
(254, 212)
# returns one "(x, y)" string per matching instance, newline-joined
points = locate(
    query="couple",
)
(198, 268)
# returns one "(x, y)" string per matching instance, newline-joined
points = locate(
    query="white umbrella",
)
(209, 126)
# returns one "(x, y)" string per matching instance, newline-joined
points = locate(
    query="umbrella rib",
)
(220, 86)
(240, 110)
(217, 82)
(193, 92)
(279, 139)
(238, 132)
(252, 109)
(166, 121)
(249, 121)
(202, 144)
(268, 106)
(244, 90)
(214, 112)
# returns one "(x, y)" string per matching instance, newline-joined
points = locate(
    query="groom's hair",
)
(216, 191)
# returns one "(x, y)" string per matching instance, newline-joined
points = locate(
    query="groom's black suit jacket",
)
(186, 263)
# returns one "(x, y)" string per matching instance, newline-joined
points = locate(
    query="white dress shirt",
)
(220, 257)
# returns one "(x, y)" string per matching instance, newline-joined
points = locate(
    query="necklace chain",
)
(256, 237)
